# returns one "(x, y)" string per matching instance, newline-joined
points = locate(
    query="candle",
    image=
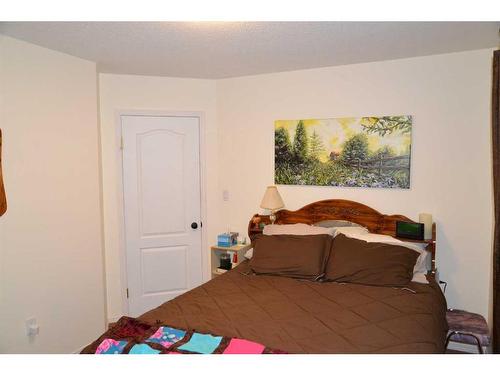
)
(426, 219)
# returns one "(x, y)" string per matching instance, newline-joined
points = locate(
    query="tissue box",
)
(227, 239)
(224, 240)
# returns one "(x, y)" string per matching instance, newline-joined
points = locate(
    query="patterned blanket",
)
(131, 336)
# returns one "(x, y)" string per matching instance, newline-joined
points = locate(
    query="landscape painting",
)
(368, 152)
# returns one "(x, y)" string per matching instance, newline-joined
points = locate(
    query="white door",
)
(161, 185)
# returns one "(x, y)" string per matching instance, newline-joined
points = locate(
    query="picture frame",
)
(355, 152)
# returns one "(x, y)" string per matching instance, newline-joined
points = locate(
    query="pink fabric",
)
(106, 345)
(158, 334)
(240, 346)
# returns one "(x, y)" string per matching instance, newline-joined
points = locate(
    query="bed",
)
(288, 315)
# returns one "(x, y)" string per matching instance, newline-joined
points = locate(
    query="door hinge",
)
(127, 293)
(121, 143)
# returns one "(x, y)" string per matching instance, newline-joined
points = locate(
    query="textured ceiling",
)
(229, 49)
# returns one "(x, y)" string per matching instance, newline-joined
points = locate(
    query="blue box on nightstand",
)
(224, 240)
(227, 239)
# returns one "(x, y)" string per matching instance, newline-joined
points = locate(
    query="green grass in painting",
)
(317, 173)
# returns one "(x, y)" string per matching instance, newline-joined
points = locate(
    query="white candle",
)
(426, 219)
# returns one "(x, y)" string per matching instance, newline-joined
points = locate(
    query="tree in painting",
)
(351, 152)
(300, 143)
(355, 149)
(282, 147)
(315, 146)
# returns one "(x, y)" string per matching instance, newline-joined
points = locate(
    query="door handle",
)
(194, 225)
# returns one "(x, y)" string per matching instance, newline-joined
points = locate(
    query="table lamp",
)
(272, 201)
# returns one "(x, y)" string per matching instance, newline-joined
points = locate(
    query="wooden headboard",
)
(341, 209)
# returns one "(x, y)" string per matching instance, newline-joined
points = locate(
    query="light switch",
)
(32, 328)
(225, 195)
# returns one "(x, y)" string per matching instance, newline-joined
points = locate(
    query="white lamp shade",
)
(272, 199)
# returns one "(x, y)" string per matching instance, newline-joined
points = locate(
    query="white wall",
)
(449, 99)
(126, 92)
(51, 264)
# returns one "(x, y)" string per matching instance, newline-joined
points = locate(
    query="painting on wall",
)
(369, 152)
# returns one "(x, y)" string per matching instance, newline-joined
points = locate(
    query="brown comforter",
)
(311, 317)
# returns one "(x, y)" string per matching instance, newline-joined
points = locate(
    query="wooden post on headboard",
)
(431, 247)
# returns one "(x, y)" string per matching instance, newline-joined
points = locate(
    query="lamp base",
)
(272, 217)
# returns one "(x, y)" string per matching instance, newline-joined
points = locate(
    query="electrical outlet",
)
(32, 328)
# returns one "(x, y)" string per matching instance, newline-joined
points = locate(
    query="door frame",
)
(121, 201)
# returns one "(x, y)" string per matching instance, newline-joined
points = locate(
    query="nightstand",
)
(216, 252)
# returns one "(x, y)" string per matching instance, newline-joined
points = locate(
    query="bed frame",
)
(340, 209)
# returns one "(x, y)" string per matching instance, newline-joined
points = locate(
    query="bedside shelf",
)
(231, 248)
(429, 241)
(215, 273)
(216, 251)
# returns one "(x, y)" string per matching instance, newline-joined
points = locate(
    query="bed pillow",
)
(421, 265)
(369, 263)
(249, 253)
(291, 255)
(299, 229)
(351, 231)
(336, 224)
